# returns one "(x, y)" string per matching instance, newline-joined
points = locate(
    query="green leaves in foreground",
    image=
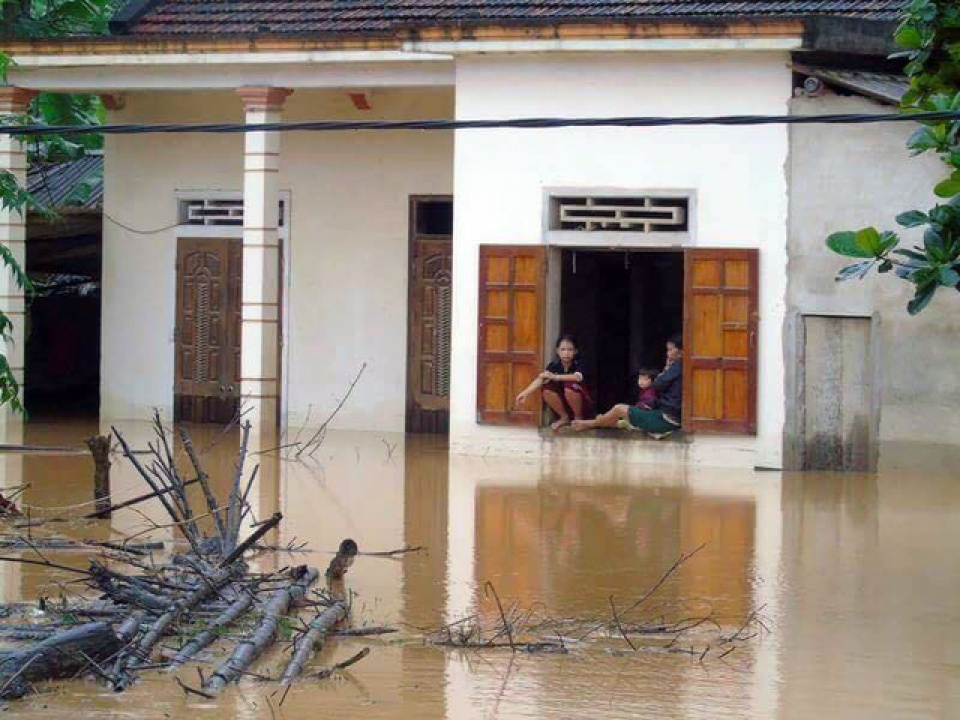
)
(930, 266)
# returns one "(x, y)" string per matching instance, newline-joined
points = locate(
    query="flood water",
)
(857, 578)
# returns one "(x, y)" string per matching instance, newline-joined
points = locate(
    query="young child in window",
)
(663, 419)
(649, 398)
(562, 385)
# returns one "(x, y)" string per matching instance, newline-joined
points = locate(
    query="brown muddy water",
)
(857, 578)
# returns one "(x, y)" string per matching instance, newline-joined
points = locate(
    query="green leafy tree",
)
(45, 19)
(929, 33)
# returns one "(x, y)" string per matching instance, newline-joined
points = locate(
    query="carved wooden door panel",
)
(207, 364)
(431, 299)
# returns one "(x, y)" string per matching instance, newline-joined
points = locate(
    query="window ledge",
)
(678, 437)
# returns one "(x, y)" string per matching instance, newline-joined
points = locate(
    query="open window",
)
(622, 306)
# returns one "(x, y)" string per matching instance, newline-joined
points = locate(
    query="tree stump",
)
(100, 451)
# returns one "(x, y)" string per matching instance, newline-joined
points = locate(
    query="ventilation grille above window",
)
(620, 214)
(210, 211)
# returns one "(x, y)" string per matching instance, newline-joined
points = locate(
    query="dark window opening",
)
(622, 307)
(433, 217)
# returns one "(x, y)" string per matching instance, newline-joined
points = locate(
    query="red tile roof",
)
(367, 17)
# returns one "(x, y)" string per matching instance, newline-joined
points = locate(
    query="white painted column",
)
(260, 332)
(13, 234)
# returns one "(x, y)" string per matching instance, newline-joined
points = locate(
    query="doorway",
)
(429, 306)
(62, 333)
(207, 364)
(622, 306)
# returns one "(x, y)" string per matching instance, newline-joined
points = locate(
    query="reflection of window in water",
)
(572, 547)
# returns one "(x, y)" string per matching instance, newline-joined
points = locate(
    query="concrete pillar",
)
(13, 234)
(260, 332)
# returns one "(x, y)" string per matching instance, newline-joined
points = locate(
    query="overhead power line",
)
(514, 123)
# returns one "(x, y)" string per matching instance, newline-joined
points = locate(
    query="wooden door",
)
(207, 365)
(720, 341)
(512, 293)
(428, 354)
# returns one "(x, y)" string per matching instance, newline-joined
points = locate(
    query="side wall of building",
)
(347, 301)
(848, 177)
(737, 175)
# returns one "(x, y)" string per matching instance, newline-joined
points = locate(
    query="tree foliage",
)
(35, 19)
(929, 33)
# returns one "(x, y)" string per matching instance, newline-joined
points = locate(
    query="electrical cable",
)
(515, 123)
(129, 229)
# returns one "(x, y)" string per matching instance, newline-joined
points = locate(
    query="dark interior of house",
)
(622, 307)
(63, 322)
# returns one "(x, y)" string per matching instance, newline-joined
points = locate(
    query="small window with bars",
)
(216, 212)
(624, 213)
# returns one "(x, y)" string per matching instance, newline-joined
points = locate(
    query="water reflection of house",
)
(246, 266)
(571, 547)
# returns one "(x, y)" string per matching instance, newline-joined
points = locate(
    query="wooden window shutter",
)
(720, 341)
(512, 286)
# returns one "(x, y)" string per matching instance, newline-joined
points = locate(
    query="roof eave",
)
(587, 28)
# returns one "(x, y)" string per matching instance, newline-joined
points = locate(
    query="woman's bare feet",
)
(562, 422)
(581, 425)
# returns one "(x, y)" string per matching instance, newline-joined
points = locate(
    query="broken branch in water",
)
(616, 618)
(506, 625)
(136, 501)
(187, 690)
(393, 553)
(262, 530)
(316, 440)
(324, 674)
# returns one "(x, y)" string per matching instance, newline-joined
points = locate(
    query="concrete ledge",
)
(610, 447)
(618, 434)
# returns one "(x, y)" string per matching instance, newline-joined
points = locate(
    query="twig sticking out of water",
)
(488, 586)
(316, 440)
(187, 690)
(613, 608)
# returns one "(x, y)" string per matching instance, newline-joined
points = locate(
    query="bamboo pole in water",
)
(140, 652)
(250, 647)
(234, 612)
(313, 639)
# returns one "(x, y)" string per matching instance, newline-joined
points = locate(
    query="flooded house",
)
(429, 269)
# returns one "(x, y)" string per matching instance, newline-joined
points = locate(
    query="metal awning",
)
(885, 87)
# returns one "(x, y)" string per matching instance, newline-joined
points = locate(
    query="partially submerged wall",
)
(847, 177)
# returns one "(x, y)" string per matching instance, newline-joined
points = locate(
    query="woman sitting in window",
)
(563, 387)
(660, 421)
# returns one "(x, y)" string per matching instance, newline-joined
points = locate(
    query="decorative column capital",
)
(263, 98)
(14, 100)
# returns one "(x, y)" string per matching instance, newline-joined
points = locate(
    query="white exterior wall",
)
(347, 300)
(737, 174)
